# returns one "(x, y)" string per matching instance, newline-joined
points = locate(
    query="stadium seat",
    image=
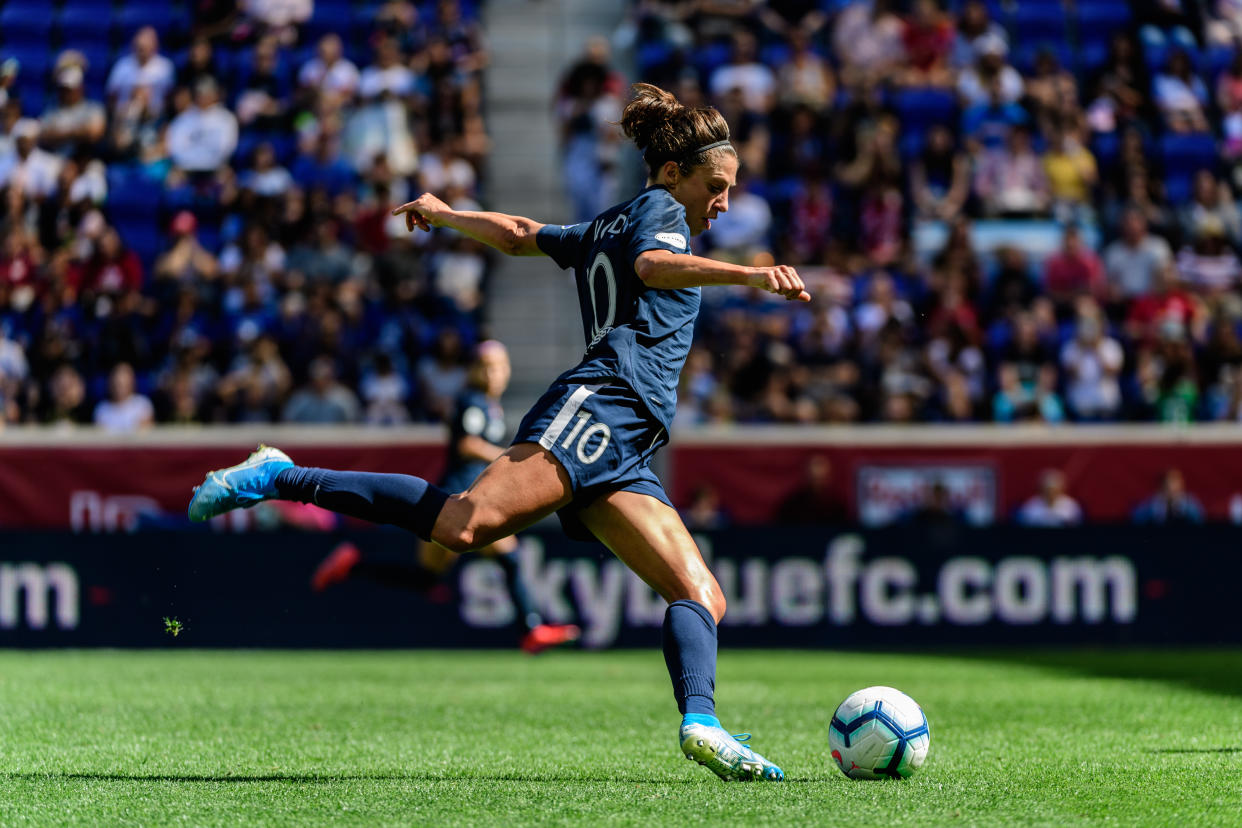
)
(921, 108)
(85, 21)
(133, 16)
(26, 23)
(1157, 45)
(1037, 21)
(1102, 16)
(1187, 153)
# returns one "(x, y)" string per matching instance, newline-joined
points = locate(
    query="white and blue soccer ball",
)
(879, 733)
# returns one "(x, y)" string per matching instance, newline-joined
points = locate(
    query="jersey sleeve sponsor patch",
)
(675, 239)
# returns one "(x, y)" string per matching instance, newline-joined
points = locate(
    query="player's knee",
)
(714, 601)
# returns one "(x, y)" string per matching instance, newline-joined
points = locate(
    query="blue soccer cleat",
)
(724, 755)
(240, 486)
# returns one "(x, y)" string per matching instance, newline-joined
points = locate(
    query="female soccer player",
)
(584, 450)
(476, 425)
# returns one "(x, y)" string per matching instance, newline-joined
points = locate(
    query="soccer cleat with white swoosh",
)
(240, 486)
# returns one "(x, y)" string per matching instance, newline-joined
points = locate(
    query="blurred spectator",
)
(588, 107)
(1010, 181)
(928, 40)
(1132, 262)
(1180, 95)
(1073, 271)
(388, 77)
(66, 404)
(14, 371)
(867, 41)
(266, 178)
(442, 373)
(990, 79)
(1171, 503)
(125, 410)
(26, 170)
(329, 71)
(187, 261)
(385, 393)
(323, 258)
(322, 400)
(1092, 363)
(145, 67)
(704, 510)
(1051, 507)
(111, 268)
(202, 138)
(1164, 301)
(1211, 210)
(814, 502)
(976, 31)
(744, 71)
(279, 16)
(73, 121)
(936, 508)
(805, 78)
(1209, 264)
(940, 178)
(1016, 401)
(1072, 176)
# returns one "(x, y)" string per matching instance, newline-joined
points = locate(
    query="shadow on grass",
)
(1208, 670)
(1198, 750)
(324, 779)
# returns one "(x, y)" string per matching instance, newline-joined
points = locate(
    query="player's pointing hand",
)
(424, 212)
(781, 279)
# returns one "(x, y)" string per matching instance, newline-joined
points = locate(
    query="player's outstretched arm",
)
(513, 235)
(668, 271)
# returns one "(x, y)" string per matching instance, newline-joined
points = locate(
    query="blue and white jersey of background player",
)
(636, 334)
(474, 415)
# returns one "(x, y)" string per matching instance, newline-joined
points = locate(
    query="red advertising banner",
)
(877, 478)
(106, 487)
(89, 482)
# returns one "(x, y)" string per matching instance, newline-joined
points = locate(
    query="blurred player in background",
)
(584, 450)
(476, 427)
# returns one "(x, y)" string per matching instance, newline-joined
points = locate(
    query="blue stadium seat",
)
(1183, 156)
(1102, 17)
(920, 108)
(1036, 21)
(133, 16)
(1186, 153)
(330, 16)
(1158, 44)
(26, 23)
(85, 21)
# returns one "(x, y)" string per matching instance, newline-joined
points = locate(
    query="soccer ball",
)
(878, 733)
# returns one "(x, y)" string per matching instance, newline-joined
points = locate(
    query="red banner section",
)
(878, 477)
(87, 482)
(106, 487)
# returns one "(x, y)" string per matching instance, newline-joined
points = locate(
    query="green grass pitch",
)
(416, 738)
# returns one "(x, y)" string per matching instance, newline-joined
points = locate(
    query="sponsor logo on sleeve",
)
(674, 239)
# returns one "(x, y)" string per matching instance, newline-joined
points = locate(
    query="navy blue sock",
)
(690, 653)
(399, 499)
(527, 613)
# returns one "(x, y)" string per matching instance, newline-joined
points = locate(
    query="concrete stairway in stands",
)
(532, 306)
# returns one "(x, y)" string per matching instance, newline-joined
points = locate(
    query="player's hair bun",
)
(666, 130)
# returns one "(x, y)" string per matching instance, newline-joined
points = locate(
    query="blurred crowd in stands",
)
(1008, 211)
(195, 215)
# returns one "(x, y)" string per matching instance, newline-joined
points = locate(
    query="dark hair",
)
(665, 130)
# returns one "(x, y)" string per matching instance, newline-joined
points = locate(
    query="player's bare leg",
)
(650, 538)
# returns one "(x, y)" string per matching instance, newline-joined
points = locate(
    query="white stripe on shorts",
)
(567, 412)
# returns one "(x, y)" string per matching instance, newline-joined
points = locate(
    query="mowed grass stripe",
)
(278, 738)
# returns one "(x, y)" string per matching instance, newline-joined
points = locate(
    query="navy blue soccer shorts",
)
(604, 437)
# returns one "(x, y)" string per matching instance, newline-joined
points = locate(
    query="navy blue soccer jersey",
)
(637, 334)
(474, 414)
